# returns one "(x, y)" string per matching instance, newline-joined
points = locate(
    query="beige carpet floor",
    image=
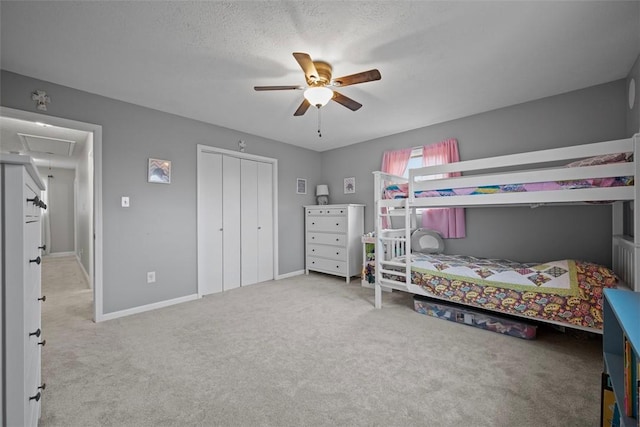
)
(304, 351)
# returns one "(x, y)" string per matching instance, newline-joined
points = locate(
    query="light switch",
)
(125, 202)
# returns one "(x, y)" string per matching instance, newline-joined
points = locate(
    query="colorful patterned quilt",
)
(400, 191)
(566, 291)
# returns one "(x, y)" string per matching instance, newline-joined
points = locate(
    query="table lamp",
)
(322, 194)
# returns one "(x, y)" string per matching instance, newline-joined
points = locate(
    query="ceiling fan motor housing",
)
(324, 74)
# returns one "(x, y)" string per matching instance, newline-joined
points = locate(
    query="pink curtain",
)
(448, 222)
(394, 162)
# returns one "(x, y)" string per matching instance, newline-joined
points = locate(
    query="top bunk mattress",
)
(401, 191)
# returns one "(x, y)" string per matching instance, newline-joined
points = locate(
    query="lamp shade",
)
(322, 190)
(318, 95)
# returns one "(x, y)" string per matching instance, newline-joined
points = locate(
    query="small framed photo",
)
(350, 185)
(159, 171)
(301, 186)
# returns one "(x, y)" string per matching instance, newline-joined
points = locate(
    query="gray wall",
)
(158, 232)
(84, 207)
(547, 233)
(61, 209)
(633, 114)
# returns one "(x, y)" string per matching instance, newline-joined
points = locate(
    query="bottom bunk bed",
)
(564, 292)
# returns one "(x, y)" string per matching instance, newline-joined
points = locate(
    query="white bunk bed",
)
(393, 265)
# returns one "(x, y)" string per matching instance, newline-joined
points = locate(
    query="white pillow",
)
(426, 241)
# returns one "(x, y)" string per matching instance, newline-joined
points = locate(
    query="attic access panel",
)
(47, 145)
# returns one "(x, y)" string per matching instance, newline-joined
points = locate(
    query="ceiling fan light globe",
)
(318, 96)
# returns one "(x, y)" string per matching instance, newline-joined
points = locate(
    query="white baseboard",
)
(148, 307)
(60, 254)
(86, 275)
(292, 274)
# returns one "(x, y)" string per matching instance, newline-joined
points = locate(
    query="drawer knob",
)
(37, 260)
(337, 240)
(337, 223)
(36, 397)
(43, 247)
(42, 387)
(313, 223)
(312, 237)
(313, 250)
(43, 298)
(35, 200)
(337, 253)
(36, 333)
(43, 343)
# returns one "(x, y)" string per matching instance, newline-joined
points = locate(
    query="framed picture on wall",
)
(301, 186)
(159, 171)
(350, 185)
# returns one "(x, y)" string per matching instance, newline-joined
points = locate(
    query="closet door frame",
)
(206, 149)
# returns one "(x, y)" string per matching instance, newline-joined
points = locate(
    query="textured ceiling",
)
(439, 60)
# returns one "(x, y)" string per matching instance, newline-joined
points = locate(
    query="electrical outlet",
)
(151, 276)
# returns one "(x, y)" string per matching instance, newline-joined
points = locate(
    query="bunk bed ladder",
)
(391, 246)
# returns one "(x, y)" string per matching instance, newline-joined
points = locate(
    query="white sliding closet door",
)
(210, 250)
(249, 219)
(265, 222)
(236, 224)
(218, 223)
(231, 222)
(257, 221)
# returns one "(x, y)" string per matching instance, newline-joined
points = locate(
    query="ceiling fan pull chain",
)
(319, 133)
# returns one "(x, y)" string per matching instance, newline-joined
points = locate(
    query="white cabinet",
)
(332, 237)
(235, 220)
(20, 208)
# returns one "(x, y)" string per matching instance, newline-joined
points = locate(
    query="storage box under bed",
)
(478, 319)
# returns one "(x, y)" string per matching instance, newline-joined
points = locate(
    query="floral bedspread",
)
(583, 307)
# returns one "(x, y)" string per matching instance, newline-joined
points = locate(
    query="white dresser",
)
(332, 237)
(20, 208)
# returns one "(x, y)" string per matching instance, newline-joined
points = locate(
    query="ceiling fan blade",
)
(347, 102)
(302, 108)
(260, 88)
(365, 76)
(307, 65)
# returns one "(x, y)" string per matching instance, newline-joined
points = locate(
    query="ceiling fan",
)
(318, 92)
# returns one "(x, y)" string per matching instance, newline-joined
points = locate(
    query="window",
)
(416, 161)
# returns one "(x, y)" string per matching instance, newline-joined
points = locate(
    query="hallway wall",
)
(61, 204)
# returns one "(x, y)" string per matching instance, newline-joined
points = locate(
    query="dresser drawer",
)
(332, 224)
(30, 193)
(331, 252)
(327, 239)
(326, 211)
(327, 265)
(32, 363)
(32, 382)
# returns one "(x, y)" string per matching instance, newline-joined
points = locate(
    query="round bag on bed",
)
(426, 241)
